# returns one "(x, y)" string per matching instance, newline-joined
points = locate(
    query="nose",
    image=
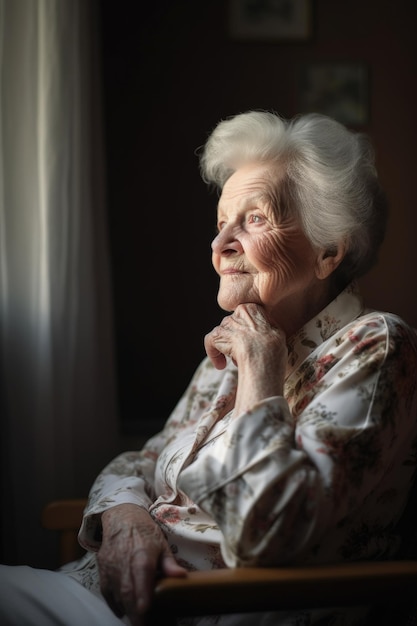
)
(225, 243)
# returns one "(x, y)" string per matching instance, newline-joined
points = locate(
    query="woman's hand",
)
(258, 349)
(133, 554)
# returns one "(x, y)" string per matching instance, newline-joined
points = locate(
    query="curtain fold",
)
(57, 384)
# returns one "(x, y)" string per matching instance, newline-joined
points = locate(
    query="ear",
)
(328, 260)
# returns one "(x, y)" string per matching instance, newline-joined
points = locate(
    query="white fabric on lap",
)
(38, 597)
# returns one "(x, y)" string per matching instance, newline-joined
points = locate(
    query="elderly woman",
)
(295, 440)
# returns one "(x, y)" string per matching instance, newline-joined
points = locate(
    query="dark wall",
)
(171, 70)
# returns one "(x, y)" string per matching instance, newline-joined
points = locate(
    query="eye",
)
(255, 218)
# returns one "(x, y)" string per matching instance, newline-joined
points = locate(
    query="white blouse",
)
(319, 475)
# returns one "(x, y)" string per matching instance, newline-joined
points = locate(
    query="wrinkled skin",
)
(271, 279)
(262, 255)
(271, 282)
(256, 347)
(133, 554)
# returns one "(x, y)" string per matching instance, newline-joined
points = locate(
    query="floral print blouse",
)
(319, 475)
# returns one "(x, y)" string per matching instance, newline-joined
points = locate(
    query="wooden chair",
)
(389, 586)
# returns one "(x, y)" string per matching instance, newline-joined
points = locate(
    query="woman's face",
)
(260, 256)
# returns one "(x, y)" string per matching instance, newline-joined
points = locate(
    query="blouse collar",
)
(346, 307)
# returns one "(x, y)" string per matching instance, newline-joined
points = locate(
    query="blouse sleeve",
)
(130, 477)
(292, 470)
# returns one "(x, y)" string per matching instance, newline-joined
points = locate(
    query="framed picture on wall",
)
(270, 20)
(338, 89)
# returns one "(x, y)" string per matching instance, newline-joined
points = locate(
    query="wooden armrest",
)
(241, 590)
(65, 516)
(286, 588)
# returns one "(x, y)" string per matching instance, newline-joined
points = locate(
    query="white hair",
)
(330, 178)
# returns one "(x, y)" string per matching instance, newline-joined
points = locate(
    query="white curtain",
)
(57, 392)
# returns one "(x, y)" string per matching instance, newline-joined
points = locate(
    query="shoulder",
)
(381, 335)
(388, 326)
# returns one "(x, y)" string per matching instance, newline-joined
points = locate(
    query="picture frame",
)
(270, 20)
(336, 88)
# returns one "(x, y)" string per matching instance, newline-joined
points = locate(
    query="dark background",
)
(170, 72)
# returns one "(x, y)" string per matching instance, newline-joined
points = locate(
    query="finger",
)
(145, 587)
(143, 582)
(116, 606)
(215, 355)
(119, 592)
(250, 314)
(106, 589)
(170, 567)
